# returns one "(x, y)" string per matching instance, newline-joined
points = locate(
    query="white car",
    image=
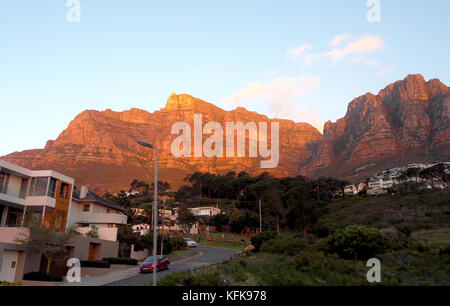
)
(190, 243)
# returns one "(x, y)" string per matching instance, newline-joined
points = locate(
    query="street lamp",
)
(155, 207)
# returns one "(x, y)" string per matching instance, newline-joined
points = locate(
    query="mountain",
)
(99, 149)
(408, 121)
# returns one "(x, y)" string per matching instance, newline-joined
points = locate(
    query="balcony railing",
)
(11, 234)
(88, 217)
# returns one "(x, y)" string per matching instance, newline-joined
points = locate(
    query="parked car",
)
(147, 265)
(190, 243)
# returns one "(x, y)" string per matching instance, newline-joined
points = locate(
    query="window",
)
(38, 187)
(23, 188)
(59, 217)
(4, 177)
(86, 208)
(108, 211)
(64, 191)
(51, 187)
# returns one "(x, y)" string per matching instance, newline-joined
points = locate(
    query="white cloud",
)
(296, 51)
(282, 97)
(339, 38)
(363, 45)
(277, 91)
(352, 51)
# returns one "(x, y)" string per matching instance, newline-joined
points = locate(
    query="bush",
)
(286, 245)
(95, 264)
(357, 242)
(260, 238)
(42, 277)
(308, 258)
(189, 279)
(444, 250)
(121, 261)
(171, 242)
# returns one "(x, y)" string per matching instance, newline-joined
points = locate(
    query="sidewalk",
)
(111, 277)
(117, 275)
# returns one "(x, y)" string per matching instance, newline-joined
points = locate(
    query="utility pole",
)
(163, 217)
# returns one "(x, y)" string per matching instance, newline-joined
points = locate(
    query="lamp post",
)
(155, 207)
(163, 216)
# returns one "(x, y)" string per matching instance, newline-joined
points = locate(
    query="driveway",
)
(210, 256)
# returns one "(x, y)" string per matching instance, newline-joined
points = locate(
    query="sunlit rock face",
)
(408, 121)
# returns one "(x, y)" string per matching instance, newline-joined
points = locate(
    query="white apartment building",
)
(205, 211)
(90, 211)
(46, 197)
(379, 186)
(32, 196)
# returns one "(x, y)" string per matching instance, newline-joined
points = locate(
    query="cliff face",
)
(99, 149)
(408, 121)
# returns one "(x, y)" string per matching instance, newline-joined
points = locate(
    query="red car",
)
(147, 265)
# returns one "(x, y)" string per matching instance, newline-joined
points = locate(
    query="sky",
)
(299, 60)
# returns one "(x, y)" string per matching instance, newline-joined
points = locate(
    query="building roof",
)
(94, 198)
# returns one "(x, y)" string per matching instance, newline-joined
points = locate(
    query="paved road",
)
(210, 256)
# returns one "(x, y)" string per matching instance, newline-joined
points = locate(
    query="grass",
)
(418, 264)
(227, 241)
(409, 213)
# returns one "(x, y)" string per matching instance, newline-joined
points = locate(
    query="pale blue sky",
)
(135, 53)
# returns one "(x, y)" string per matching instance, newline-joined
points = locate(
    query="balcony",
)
(102, 218)
(40, 201)
(105, 233)
(11, 199)
(11, 234)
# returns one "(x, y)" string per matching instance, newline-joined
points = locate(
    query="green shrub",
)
(189, 279)
(95, 264)
(308, 258)
(42, 277)
(286, 245)
(121, 261)
(257, 240)
(357, 242)
(444, 250)
(171, 242)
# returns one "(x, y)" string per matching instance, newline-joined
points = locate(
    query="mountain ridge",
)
(406, 121)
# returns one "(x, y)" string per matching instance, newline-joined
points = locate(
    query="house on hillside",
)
(46, 197)
(90, 210)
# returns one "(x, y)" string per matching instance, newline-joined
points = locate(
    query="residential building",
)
(379, 186)
(205, 211)
(45, 197)
(350, 190)
(35, 196)
(90, 211)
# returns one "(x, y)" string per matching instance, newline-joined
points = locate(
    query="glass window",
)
(86, 207)
(23, 188)
(41, 187)
(64, 191)
(52, 187)
(4, 182)
(32, 186)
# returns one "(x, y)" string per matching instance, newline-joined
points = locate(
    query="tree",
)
(47, 241)
(185, 219)
(93, 233)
